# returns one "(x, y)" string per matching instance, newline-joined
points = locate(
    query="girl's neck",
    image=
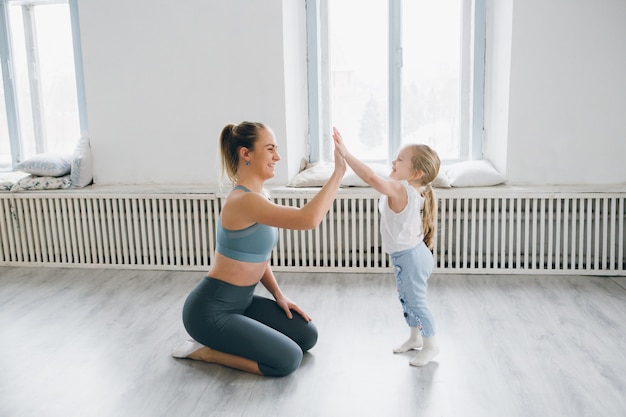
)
(415, 184)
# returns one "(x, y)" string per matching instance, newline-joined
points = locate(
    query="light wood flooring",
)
(97, 342)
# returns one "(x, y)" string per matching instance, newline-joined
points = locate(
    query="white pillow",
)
(6, 185)
(33, 183)
(350, 179)
(473, 174)
(82, 168)
(383, 170)
(47, 165)
(8, 179)
(314, 175)
(441, 180)
(318, 173)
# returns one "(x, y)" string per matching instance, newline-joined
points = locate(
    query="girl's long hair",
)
(426, 160)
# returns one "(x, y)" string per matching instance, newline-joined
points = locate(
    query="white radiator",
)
(564, 233)
(521, 232)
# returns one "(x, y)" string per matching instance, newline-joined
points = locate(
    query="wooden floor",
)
(85, 342)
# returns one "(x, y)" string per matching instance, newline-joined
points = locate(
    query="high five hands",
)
(340, 147)
(340, 151)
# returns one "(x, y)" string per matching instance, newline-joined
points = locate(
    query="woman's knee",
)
(308, 338)
(284, 364)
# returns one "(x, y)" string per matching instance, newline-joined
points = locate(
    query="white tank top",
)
(403, 230)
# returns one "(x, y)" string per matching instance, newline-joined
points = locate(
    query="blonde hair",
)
(427, 161)
(233, 138)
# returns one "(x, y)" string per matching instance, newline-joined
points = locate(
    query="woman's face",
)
(265, 155)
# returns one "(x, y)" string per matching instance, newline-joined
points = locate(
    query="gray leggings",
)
(231, 319)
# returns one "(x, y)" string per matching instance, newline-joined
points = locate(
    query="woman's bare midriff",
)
(237, 272)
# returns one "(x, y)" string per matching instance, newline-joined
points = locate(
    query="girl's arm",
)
(392, 189)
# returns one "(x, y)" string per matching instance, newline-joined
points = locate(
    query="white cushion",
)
(6, 185)
(82, 168)
(473, 174)
(8, 179)
(316, 175)
(350, 179)
(47, 165)
(441, 180)
(33, 183)
(313, 175)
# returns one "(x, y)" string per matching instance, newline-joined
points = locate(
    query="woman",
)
(228, 323)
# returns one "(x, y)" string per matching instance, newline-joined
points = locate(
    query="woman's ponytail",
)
(232, 138)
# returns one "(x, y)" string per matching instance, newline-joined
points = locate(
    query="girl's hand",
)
(287, 305)
(339, 145)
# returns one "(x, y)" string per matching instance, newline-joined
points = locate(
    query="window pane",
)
(5, 145)
(56, 54)
(431, 75)
(45, 89)
(21, 80)
(358, 37)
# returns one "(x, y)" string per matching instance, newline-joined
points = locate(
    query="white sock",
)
(413, 342)
(428, 352)
(186, 348)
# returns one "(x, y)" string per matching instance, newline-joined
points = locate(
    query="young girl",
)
(407, 209)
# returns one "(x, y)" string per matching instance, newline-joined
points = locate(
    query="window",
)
(41, 107)
(391, 72)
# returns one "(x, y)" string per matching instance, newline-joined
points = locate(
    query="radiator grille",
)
(553, 233)
(347, 239)
(582, 233)
(173, 231)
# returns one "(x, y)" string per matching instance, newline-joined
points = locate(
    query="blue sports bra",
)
(252, 244)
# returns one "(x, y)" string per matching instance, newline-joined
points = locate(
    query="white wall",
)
(557, 91)
(162, 78)
(497, 82)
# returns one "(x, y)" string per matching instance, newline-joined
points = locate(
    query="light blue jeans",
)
(412, 268)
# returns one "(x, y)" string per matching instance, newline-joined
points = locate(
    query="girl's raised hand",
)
(339, 145)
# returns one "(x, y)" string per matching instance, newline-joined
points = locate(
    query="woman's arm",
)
(318, 206)
(254, 207)
(269, 282)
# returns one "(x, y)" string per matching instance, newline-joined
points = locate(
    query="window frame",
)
(472, 78)
(8, 71)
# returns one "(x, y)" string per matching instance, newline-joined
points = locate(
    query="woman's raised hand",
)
(339, 145)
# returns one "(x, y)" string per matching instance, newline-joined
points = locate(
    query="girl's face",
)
(265, 155)
(402, 166)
